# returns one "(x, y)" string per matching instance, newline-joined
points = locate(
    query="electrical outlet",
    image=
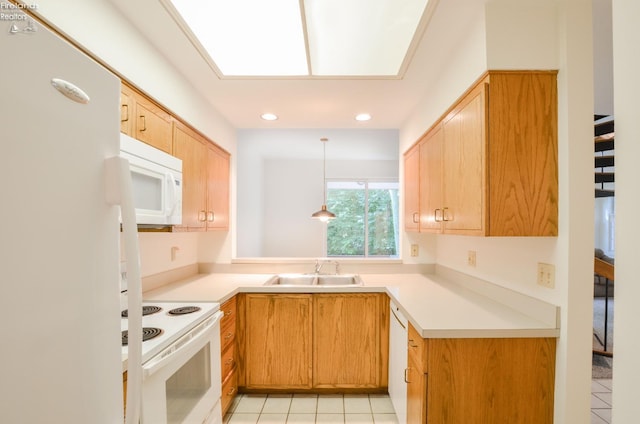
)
(546, 275)
(414, 250)
(471, 258)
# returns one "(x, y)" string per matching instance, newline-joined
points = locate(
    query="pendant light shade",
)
(323, 214)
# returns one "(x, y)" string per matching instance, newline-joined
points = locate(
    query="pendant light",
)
(323, 214)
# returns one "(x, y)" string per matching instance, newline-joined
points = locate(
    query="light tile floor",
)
(601, 401)
(357, 409)
(304, 409)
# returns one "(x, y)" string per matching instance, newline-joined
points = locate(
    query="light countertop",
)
(436, 307)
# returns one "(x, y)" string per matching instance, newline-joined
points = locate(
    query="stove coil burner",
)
(148, 333)
(184, 310)
(146, 310)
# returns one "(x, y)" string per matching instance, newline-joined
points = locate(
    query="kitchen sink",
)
(324, 280)
(339, 280)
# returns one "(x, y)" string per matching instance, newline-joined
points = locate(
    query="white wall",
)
(535, 35)
(626, 367)
(602, 57)
(280, 183)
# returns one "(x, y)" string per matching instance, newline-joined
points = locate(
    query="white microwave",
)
(157, 183)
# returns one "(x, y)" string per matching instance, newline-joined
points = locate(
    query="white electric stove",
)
(165, 322)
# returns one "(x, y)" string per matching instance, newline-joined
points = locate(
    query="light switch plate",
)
(546, 275)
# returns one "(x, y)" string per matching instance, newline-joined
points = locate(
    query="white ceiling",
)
(304, 102)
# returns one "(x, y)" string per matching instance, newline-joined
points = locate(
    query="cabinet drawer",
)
(417, 347)
(229, 391)
(228, 361)
(227, 336)
(229, 310)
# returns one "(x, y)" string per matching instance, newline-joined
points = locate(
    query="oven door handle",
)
(182, 346)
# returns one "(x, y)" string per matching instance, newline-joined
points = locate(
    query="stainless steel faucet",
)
(320, 264)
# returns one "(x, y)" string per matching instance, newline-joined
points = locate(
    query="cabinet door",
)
(127, 111)
(277, 341)
(431, 209)
(153, 125)
(411, 190)
(351, 336)
(416, 393)
(491, 380)
(464, 172)
(523, 154)
(217, 188)
(193, 153)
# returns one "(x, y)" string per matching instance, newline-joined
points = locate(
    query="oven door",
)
(182, 383)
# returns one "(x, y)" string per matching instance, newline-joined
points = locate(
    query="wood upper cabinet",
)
(217, 188)
(463, 166)
(430, 186)
(144, 120)
(350, 340)
(497, 150)
(523, 154)
(205, 174)
(411, 187)
(277, 341)
(127, 111)
(192, 150)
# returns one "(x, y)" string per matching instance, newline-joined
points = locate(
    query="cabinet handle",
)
(125, 109)
(228, 336)
(228, 313)
(435, 215)
(411, 344)
(144, 123)
(445, 216)
(231, 391)
(229, 361)
(406, 379)
(210, 216)
(202, 216)
(415, 218)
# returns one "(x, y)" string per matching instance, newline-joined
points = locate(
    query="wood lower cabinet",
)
(144, 120)
(313, 342)
(350, 341)
(416, 377)
(277, 341)
(489, 166)
(228, 353)
(205, 174)
(478, 381)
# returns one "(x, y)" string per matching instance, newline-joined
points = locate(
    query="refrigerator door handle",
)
(119, 191)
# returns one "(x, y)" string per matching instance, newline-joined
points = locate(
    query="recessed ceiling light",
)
(269, 116)
(363, 117)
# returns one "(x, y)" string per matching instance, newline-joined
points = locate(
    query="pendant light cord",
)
(324, 170)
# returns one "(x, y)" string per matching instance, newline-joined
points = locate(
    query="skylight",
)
(352, 38)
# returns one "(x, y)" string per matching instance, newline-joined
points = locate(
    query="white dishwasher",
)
(398, 362)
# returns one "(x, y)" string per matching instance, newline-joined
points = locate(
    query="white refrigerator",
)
(60, 247)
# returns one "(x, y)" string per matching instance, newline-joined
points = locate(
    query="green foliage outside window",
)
(366, 221)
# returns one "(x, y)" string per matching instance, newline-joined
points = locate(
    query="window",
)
(366, 221)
